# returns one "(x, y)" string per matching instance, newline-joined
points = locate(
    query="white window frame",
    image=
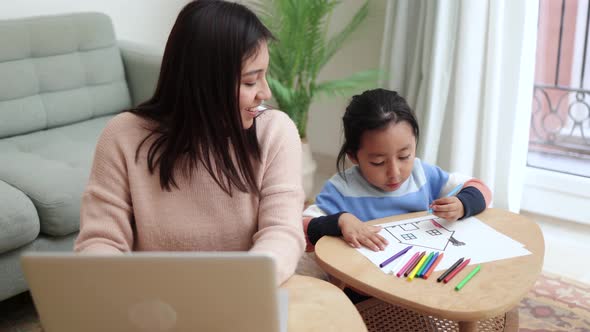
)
(558, 195)
(551, 193)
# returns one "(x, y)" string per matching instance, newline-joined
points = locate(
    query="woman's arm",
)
(106, 214)
(280, 232)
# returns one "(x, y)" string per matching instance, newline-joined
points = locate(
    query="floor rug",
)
(556, 304)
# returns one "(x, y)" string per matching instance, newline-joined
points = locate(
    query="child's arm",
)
(344, 224)
(357, 233)
(315, 214)
(473, 198)
(317, 227)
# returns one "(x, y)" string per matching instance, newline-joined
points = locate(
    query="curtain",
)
(467, 69)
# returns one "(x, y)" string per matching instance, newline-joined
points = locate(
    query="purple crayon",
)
(394, 257)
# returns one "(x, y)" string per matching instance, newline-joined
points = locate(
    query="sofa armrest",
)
(19, 222)
(142, 69)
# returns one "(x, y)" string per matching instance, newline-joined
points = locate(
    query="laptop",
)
(156, 291)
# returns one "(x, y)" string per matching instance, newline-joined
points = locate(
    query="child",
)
(380, 138)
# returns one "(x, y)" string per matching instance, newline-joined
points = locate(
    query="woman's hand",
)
(449, 208)
(355, 233)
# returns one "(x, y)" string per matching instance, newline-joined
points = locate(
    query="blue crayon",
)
(428, 265)
(451, 193)
(424, 265)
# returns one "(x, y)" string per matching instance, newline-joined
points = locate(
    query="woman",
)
(198, 167)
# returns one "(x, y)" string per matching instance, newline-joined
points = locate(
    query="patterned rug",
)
(555, 304)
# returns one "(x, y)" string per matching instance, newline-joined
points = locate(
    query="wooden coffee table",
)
(497, 289)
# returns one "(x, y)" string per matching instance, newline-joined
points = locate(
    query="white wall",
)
(361, 53)
(143, 21)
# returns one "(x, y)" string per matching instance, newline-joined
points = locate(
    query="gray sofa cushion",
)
(12, 280)
(59, 70)
(51, 167)
(19, 223)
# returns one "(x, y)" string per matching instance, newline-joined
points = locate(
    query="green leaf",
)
(301, 51)
(282, 94)
(342, 87)
(337, 41)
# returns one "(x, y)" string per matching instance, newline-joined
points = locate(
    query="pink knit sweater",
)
(124, 208)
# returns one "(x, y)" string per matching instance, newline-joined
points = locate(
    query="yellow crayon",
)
(417, 267)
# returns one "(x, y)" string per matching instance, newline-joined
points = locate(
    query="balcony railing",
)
(560, 124)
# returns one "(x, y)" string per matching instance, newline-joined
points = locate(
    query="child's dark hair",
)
(373, 109)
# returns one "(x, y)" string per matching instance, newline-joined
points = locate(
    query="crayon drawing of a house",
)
(424, 233)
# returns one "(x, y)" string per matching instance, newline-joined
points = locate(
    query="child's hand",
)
(449, 208)
(355, 232)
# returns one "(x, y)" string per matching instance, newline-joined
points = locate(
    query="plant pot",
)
(308, 169)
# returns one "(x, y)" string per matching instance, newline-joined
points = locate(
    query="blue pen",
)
(451, 193)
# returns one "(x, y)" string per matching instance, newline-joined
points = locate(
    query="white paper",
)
(482, 243)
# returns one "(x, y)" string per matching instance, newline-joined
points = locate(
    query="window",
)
(560, 125)
(408, 236)
(558, 173)
(434, 232)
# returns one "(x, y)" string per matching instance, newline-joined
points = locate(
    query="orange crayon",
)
(438, 259)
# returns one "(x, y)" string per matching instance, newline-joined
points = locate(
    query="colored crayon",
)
(431, 269)
(466, 279)
(411, 267)
(449, 270)
(403, 269)
(394, 257)
(398, 264)
(417, 267)
(430, 255)
(427, 265)
(457, 270)
(451, 193)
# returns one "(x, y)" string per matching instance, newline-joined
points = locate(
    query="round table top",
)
(317, 305)
(495, 290)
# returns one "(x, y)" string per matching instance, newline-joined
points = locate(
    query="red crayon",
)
(457, 270)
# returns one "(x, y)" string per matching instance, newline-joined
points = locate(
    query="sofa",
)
(61, 79)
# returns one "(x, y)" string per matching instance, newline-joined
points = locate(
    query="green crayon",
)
(469, 276)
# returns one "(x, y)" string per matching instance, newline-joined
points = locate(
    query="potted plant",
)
(300, 52)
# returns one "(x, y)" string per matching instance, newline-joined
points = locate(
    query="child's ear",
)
(352, 158)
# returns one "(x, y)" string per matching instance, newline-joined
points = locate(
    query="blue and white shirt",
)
(355, 195)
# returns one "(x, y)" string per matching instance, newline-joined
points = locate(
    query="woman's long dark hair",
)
(196, 101)
(373, 109)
